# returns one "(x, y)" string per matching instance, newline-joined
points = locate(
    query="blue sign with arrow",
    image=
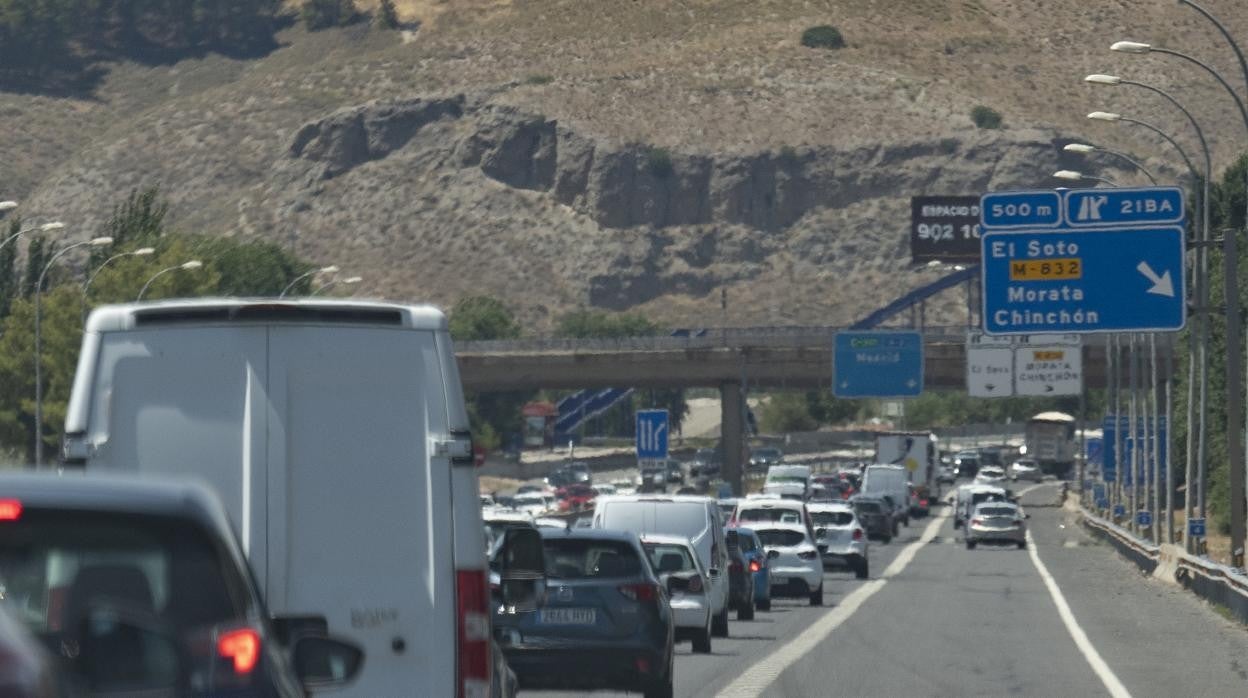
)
(1099, 208)
(1083, 281)
(1196, 528)
(877, 364)
(651, 434)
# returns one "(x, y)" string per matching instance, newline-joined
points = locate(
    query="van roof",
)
(211, 311)
(652, 498)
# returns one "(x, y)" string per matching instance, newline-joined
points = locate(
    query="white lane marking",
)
(1106, 675)
(755, 680)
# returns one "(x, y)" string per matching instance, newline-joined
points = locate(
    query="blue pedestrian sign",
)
(1144, 518)
(1083, 281)
(651, 434)
(877, 364)
(1020, 209)
(1102, 503)
(1120, 510)
(1196, 528)
(1099, 208)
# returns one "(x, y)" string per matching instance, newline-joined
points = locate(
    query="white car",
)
(678, 568)
(534, 503)
(604, 490)
(841, 540)
(796, 569)
(1026, 469)
(751, 511)
(990, 475)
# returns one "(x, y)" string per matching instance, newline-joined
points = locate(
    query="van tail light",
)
(10, 509)
(242, 647)
(640, 592)
(734, 566)
(808, 554)
(857, 534)
(923, 503)
(695, 584)
(755, 565)
(473, 634)
(976, 522)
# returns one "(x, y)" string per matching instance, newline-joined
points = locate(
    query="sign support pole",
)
(1116, 343)
(1234, 397)
(1169, 445)
(1132, 417)
(1155, 449)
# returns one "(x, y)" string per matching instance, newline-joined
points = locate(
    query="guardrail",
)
(1207, 579)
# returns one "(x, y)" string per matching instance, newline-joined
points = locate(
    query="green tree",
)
(140, 219)
(482, 317)
(9, 282)
(823, 36)
(323, 14)
(986, 117)
(826, 409)
(597, 324)
(36, 258)
(387, 15)
(785, 412)
(492, 414)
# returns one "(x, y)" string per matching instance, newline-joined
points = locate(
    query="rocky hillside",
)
(623, 155)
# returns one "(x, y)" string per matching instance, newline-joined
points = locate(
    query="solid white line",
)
(754, 681)
(1106, 675)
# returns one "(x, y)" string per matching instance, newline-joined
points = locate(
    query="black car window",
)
(770, 515)
(747, 543)
(995, 511)
(666, 557)
(580, 558)
(868, 507)
(780, 537)
(832, 518)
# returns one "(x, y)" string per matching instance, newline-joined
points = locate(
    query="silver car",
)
(841, 540)
(996, 522)
(678, 568)
(1026, 469)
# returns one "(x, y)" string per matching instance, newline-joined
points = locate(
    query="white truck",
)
(917, 452)
(336, 434)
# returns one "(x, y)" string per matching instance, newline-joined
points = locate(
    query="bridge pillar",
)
(732, 435)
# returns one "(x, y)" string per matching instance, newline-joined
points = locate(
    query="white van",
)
(336, 434)
(788, 481)
(890, 481)
(695, 518)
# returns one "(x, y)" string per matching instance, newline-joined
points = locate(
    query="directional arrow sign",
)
(1048, 370)
(651, 434)
(1083, 281)
(877, 364)
(1098, 208)
(989, 367)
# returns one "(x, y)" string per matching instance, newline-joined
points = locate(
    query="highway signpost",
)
(1089, 261)
(1044, 364)
(944, 228)
(989, 366)
(1051, 369)
(877, 364)
(652, 435)
(1144, 518)
(1110, 467)
(1196, 528)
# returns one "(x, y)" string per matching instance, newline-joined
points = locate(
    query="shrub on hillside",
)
(659, 162)
(323, 14)
(387, 16)
(985, 117)
(823, 36)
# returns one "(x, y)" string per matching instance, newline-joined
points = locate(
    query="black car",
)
(560, 477)
(675, 473)
(604, 623)
(580, 472)
(740, 579)
(705, 463)
(763, 458)
(875, 517)
(140, 588)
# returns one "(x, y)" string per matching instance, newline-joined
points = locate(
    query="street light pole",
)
(331, 269)
(1073, 176)
(86, 286)
(350, 280)
(1088, 148)
(95, 242)
(193, 264)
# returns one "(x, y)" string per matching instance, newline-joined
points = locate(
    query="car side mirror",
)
(522, 568)
(324, 662)
(821, 532)
(773, 554)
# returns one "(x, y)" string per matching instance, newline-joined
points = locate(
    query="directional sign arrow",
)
(990, 386)
(911, 383)
(1048, 388)
(1162, 285)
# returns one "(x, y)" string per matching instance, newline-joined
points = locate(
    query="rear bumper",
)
(762, 585)
(1008, 535)
(795, 581)
(845, 559)
(613, 667)
(691, 613)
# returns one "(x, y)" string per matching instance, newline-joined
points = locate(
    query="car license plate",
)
(567, 616)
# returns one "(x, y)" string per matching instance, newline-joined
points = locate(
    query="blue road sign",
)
(1083, 281)
(1144, 518)
(1098, 491)
(877, 364)
(651, 434)
(1098, 208)
(1095, 451)
(1196, 528)
(1120, 510)
(1020, 209)
(1102, 503)
(1110, 467)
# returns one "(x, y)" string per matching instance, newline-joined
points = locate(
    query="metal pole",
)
(1234, 396)
(1120, 463)
(1132, 416)
(1169, 442)
(39, 348)
(1155, 446)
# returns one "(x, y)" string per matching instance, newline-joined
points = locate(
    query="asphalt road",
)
(946, 621)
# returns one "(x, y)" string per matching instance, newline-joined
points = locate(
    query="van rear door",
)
(358, 510)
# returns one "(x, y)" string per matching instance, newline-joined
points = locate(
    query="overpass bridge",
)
(731, 359)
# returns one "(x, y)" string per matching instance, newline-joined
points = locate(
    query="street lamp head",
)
(1099, 79)
(1131, 47)
(1104, 116)
(193, 264)
(352, 280)
(54, 225)
(1069, 175)
(101, 242)
(7, 205)
(1079, 148)
(144, 251)
(331, 269)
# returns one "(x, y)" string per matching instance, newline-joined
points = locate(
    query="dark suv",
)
(140, 588)
(875, 517)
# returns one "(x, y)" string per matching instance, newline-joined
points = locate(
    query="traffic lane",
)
(955, 622)
(1158, 638)
(705, 675)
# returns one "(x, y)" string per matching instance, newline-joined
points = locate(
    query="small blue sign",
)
(1020, 209)
(1083, 281)
(1102, 503)
(1110, 465)
(1196, 528)
(1098, 208)
(651, 434)
(1144, 518)
(1120, 510)
(877, 364)
(1098, 492)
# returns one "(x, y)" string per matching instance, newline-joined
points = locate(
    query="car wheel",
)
(896, 529)
(862, 570)
(764, 605)
(702, 641)
(745, 611)
(719, 624)
(1022, 545)
(957, 524)
(970, 545)
(816, 596)
(906, 521)
(662, 688)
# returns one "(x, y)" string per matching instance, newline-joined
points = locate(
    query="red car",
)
(575, 497)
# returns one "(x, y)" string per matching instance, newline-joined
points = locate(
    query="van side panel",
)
(359, 506)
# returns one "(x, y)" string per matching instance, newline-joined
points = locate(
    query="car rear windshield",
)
(995, 511)
(582, 558)
(776, 537)
(667, 557)
(102, 580)
(743, 542)
(770, 515)
(787, 478)
(832, 518)
(868, 507)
